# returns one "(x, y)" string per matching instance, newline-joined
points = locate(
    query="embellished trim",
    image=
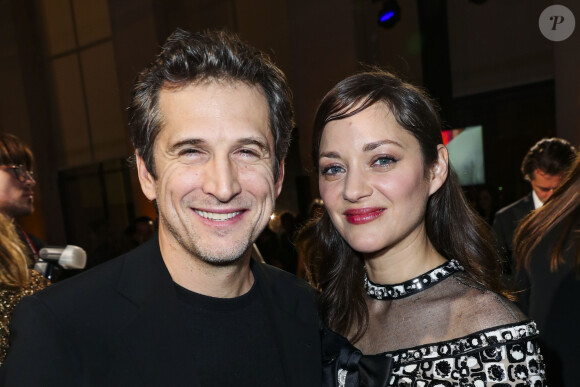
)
(483, 340)
(499, 356)
(412, 286)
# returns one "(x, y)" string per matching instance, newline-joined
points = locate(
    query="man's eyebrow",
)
(374, 145)
(259, 142)
(182, 143)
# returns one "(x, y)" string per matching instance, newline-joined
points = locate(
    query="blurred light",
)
(272, 216)
(386, 16)
(389, 14)
(500, 188)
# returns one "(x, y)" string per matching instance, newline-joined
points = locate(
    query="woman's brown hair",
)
(563, 208)
(13, 264)
(453, 227)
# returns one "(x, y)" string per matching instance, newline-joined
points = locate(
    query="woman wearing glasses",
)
(16, 187)
(409, 277)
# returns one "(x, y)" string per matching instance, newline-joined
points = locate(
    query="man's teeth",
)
(216, 216)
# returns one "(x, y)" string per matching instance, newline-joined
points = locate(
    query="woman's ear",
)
(439, 169)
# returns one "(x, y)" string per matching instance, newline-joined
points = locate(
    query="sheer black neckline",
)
(414, 285)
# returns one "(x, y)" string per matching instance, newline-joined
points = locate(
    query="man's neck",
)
(537, 202)
(211, 280)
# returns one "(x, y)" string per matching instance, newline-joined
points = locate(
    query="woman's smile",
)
(363, 215)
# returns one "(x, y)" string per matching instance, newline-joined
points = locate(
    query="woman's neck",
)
(403, 261)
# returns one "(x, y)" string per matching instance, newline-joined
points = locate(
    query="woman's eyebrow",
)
(330, 155)
(374, 145)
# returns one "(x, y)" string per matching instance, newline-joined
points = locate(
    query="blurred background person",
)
(306, 243)
(140, 231)
(16, 279)
(547, 247)
(16, 189)
(103, 246)
(543, 166)
(484, 205)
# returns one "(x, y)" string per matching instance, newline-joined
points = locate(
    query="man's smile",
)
(219, 216)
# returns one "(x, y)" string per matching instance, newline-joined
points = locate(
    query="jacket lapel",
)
(156, 336)
(298, 341)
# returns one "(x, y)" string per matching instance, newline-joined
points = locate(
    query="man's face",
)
(544, 184)
(16, 197)
(214, 159)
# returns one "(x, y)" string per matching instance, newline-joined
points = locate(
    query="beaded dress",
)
(9, 298)
(438, 329)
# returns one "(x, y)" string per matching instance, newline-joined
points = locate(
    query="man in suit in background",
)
(210, 119)
(543, 166)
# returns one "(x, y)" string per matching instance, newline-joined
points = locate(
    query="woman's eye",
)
(331, 170)
(384, 161)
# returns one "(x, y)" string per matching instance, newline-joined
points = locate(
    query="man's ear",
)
(148, 183)
(280, 179)
(439, 169)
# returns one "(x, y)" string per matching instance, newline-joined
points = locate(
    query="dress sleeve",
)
(521, 365)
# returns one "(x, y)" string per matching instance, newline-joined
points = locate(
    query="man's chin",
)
(222, 262)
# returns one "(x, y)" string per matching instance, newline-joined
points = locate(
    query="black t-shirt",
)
(231, 339)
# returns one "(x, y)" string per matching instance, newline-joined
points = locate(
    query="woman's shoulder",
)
(473, 307)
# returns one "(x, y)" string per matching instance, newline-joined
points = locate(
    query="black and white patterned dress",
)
(499, 355)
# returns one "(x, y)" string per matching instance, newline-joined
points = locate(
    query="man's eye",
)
(248, 152)
(189, 152)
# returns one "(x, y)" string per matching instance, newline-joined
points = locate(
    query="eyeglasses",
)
(20, 172)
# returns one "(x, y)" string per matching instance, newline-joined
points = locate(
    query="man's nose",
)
(29, 179)
(221, 179)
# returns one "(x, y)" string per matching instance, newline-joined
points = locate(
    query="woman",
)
(408, 272)
(547, 247)
(16, 280)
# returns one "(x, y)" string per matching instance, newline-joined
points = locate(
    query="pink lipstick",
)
(363, 215)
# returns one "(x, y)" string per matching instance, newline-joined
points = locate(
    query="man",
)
(543, 166)
(210, 119)
(16, 188)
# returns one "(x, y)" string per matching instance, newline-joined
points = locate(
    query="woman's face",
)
(373, 182)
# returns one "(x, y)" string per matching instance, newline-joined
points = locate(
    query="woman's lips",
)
(363, 215)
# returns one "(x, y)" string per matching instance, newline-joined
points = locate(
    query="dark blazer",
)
(505, 222)
(118, 325)
(551, 299)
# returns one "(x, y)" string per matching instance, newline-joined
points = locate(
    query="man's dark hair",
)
(550, 155)
(187, 58)
(14, 151)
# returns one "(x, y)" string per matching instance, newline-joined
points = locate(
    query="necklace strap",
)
(414, 285)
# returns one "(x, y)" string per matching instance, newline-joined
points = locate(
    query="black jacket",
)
(504, 224)
(118, 325)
